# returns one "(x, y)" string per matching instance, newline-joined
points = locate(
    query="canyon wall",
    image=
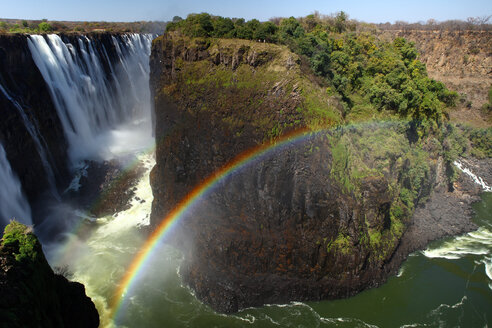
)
(323, 217)
(463, 61)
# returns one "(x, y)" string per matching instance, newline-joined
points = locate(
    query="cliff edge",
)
(32, 294)
(323, 217)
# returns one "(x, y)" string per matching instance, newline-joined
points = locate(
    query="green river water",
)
(448, 285)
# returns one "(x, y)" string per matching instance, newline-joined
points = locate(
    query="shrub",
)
(45, 27)
(17, 234)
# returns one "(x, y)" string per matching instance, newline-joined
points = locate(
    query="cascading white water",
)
(41, 147)
(13, 204)
(96, 110)
(477, 243)
(478, 180)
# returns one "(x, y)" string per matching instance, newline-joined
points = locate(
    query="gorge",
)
(316, 214)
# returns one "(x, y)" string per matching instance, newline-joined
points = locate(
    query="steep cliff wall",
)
(323, 218)
(231, 95)
(32, 295)
(463, 61)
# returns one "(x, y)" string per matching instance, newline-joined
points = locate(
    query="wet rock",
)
(107, 188)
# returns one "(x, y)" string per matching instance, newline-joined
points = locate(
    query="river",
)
(447, 285)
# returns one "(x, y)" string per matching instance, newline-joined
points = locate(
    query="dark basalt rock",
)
(32, 294)
(283, 228)
(106, 187)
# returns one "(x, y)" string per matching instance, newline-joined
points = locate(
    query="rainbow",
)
(145, 252)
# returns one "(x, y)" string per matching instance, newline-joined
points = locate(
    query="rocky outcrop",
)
(324, 217)
(106, 188)
(32, 295)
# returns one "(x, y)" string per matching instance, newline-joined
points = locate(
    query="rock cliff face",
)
(32, 295)
(462, 60)
(322, 218)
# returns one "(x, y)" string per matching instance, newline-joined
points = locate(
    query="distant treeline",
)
(338, 22)
(45, 26)
(158, 27)
(472, 23)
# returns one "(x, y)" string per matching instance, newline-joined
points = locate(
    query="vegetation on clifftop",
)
(20, 237)
(45, 26)
(32, 295)
(369, 75)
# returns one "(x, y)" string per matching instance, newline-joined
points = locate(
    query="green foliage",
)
(18, 235)
(365, 72)
(454, 144)
(481, 141)
(340, 166)
(223, 27)
(45, 27)
(340, 244)
(204, 25)
(415, 178)
(487, 107)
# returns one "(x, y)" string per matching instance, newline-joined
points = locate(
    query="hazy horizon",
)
(378, 11)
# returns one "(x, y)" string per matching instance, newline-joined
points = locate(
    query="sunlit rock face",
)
(34, 296)
(322, 217)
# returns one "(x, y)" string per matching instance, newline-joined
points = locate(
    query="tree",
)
(340, 22)
(266, 31)
(222, 26)
(45, 27)
(198, 25)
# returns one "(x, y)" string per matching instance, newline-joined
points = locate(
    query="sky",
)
(372, 11)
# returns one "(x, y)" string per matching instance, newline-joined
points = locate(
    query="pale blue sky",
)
(133, 10)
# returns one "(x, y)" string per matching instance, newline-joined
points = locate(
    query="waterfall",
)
(94, 105)
(12, 202)
(41, 147)
(478, 180)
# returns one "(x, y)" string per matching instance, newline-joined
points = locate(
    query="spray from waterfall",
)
(13, 204)
(41, 147)
(96, 107)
